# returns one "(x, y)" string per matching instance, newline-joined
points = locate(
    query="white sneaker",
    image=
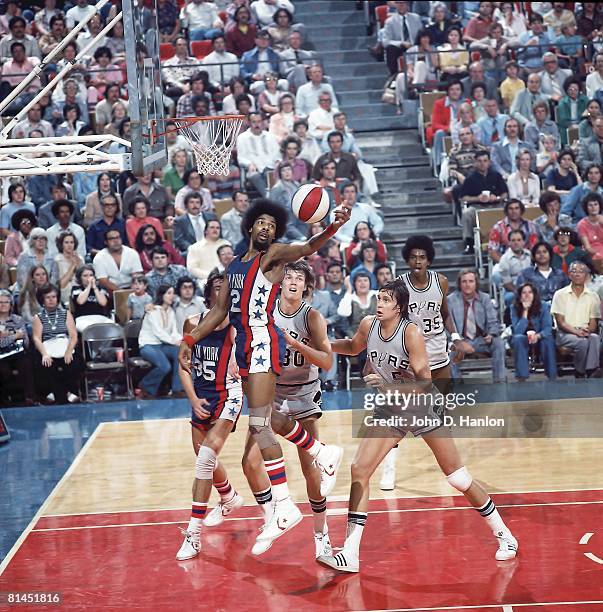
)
(507, 547)
(222, 510)
(328, 460)
(322, 544)
(191, 546)
(388, 475)
(286, 516)
(343, 561)
(72, 398)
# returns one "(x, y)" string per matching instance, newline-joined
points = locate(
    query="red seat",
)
(166, 50)
(381, 14)
(201, 48)
(476, 56)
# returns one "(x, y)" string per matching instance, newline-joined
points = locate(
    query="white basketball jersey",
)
(388, 356)
(424, 310)
(296, 369)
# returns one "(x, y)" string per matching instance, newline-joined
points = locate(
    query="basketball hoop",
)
(211, 138)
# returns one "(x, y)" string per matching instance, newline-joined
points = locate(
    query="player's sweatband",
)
(454, 337)
(189, 340)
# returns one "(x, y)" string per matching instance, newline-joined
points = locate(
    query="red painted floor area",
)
(428, 553)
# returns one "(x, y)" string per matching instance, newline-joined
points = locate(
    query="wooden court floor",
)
(137, 475)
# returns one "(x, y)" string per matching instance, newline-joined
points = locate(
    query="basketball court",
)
(106, 490)
(109, 531)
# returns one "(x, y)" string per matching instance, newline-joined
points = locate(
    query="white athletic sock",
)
(356, 523)
(278, 480)
(319, 514)
(197, 515)
(493, 518)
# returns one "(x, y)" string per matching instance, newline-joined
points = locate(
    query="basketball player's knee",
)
(359, 471)
(259, 426)
(278, 422)
(460, 479)
(205, 464)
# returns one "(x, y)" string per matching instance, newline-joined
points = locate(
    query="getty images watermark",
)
(471, 411)
(417, 409)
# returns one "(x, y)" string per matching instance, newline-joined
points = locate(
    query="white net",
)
(212, 141)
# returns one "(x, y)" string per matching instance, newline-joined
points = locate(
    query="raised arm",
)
(287, 253)
(319, 351)
(358, 343)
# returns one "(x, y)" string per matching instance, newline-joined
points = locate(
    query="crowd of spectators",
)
(72, 241)
(516, 127)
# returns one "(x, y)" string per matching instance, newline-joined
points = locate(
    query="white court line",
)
(585, 538)
(340, 498)
(46, 503)
(490, 606)
(507, 609)
(334, 511)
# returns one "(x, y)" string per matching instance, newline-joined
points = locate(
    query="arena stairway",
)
(410, 197)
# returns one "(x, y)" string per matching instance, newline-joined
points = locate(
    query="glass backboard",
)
(144, 83)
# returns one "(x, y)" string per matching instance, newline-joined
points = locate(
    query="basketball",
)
(310, 203)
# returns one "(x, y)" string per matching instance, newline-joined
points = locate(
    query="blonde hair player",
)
(298, 392)
(396, 350)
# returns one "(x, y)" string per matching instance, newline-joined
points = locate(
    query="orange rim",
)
(187, 121)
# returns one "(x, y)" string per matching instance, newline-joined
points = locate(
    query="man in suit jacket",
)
(589, 151)
(523, 104)
(295, 60)
(477, 75)
(399, 34)
(505, 152)
(345, 163)
(553, 77)
(190, 227)
(256, 62)
(477, 321)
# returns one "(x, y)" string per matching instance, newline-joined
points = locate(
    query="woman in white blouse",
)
(159, 341)
(523, 184)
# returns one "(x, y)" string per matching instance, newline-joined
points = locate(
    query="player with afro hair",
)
(248, 298)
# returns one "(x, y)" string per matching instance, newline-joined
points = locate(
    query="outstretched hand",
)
(342, 215)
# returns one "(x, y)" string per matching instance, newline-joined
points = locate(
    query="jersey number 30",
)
(298, 359)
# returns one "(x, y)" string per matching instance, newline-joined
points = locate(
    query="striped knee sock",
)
(356, 523)
(300, 437)
(319, 513)
(197, 516)
(225, 490)
(278, 478)
(264, 499)
(493, 518)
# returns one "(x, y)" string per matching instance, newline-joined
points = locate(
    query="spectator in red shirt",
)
(240, 36)
(498, 240)
(479, 26)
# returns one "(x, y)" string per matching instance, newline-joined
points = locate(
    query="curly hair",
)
(425, 243)
(261, 207)
(209, 283)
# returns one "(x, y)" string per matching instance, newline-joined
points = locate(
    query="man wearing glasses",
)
(109, 220)
(577, 311)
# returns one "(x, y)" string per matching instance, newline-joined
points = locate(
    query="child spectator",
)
(140, 299)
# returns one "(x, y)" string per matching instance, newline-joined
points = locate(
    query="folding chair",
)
(484, 220)
(102, 345)
(120, 305)
(222, 206)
